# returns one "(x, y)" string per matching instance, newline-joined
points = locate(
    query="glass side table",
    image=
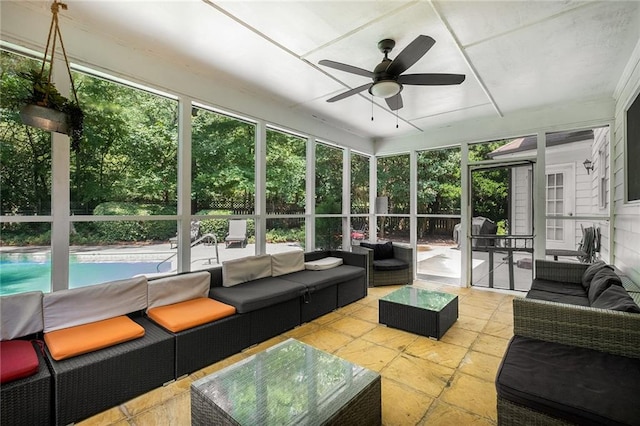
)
(289, 383)
(425, 312)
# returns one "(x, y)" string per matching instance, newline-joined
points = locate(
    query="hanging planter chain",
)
(54, 33)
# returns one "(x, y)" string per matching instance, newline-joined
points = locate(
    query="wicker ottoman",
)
(425, 312)
(289, 383)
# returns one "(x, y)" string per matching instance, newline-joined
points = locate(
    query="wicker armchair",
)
(604, 330)
(378, 277)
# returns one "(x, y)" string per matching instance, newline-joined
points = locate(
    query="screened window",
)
(328, 179)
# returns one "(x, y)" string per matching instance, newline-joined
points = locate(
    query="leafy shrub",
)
(110, 232)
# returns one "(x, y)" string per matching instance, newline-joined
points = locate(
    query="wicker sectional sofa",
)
(570, 361)
(71, 387)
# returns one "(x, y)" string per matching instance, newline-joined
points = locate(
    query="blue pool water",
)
(17, 276)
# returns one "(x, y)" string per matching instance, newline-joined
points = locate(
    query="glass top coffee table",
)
(425, 312)
(289, 383)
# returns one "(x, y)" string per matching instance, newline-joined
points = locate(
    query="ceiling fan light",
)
(385, 89)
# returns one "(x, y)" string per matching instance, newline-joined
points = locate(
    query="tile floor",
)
(424, 381)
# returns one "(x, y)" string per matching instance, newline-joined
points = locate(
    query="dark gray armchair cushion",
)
(389, 265)
(380, 251)
(582, 386)
(591, 271)
(603, 279)
(616, 297)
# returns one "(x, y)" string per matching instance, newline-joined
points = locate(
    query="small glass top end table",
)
(290, 383)
(425, 312)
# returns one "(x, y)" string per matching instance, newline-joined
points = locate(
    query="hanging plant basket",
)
(44, 118)
(46, 108)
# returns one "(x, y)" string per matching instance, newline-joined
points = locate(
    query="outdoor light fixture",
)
(385, 88)
(588, 165)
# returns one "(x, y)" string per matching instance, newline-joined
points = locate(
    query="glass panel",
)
(211, 246)
(25, 260)
(392, 228)
(286, 171)
(285, 234)
(127, 160)
(25, 151)
(439, 187)
(359, 184)
(222, 164)
(113, 250)
(328, 179)
(424, 299)
(393, 183)
(359, 229)
(438, 257)
(328, 233)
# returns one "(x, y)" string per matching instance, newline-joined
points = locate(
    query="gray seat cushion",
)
(580, 385)
(390, 265)
(570, 289)
(557, 297)
(257, 294)
(317, 280)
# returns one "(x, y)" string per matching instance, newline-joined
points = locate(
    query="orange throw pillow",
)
(190, 313)
(81, 339)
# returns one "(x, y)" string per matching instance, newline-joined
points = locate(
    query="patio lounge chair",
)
(237, 233)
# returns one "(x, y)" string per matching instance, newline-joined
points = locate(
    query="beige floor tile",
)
(328, 318)
(422, 375)
(490, 345)
(442, 414)
(390, 337)
(218, 366)
(459, 336)
(505, 317)
(352, 326)
(113, 416)
(481, 365)
(327, 340)
(481, 302)
(367, 354)
(471, 323)
(351, 308)
(303, 330)
(401, 405)
(499, 329)
(472, 394)
(264, 345)
(439, 352)
(158, 396)
(475, 311)
(367, 313)
(174, 412)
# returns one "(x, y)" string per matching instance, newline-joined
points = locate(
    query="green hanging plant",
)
(65, 115)
(45, 107)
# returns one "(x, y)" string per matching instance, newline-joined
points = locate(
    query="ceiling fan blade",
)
(410, 55)
(350, 92)
(394, 102)
(431, 79)
(346, 68)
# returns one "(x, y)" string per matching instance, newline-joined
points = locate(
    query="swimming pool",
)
(20, 275)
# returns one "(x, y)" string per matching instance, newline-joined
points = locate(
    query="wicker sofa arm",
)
(604, 330)
(369, 255)
(404, 253)
(567, 272)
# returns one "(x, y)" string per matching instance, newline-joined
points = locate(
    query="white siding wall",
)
(521, 196)
(601, 169)
(626, 226)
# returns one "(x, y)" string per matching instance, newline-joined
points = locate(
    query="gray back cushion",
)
(20, 315)
(591, 271)
(603, 279)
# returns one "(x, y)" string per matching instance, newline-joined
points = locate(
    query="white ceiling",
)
(516, 55)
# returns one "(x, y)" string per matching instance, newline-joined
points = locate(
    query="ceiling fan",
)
(387, 76)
